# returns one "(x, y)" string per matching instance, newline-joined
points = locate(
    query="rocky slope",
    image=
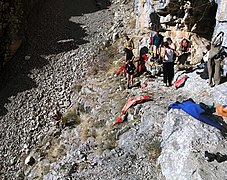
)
(72, 71)
(41, 76)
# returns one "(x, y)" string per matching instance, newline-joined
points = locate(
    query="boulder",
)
(184, 142)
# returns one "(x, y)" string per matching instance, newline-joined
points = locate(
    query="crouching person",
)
(184, 53)
(130, 70)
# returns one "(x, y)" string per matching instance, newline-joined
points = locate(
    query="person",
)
(172, 46)
(130, 70)
(128, 47)
(157, 41)
(142, 59)
(214, 60)
(152, 34)
(184, 53)
(168, 64)
(151, 67)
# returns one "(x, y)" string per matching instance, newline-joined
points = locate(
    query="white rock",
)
(29, 160)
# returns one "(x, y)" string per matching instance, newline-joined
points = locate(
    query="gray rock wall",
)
(221, 20)
(196, 24)
(185, 139)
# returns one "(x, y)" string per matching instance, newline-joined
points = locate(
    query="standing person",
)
(128, 47)
(172, 46)
(157, 42)
(152, 34)
(130, 69)
(214, 60)
(168, 64)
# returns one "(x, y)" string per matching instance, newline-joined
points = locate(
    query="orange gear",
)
(222, 110)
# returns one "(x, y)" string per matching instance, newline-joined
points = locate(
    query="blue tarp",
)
(196, 111)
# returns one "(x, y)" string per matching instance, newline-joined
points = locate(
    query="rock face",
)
(183, 19)
(221, 18)
(14, 22)
(185, 139)
(184, 142)
(10, 27)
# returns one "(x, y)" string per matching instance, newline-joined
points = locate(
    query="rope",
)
(203, 13)
(201, 5)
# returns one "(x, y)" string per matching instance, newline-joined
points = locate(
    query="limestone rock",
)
(29, 160)
(184, 142)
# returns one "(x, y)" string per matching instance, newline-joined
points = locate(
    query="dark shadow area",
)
(143, 50)
(50, 29)
(54, 30)
(215, 156)
(223, 80)
(155, 19)
(206, 21)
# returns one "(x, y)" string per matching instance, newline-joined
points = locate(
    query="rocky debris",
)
(127, 150)
(28, 116)
(123, 151)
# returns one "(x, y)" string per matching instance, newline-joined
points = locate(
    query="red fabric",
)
(119, 120)
(145, 57)
(139, 68)
(133, 101)
(141, 62)
(151, 41)
(143, 86)
(122, 68)
(129, 103)
(180, 82)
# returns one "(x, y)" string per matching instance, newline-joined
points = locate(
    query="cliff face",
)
(184, 139)
(13, 25)
(90, 148)
(221, 20)
(179, 19)
(10, 25)
(194, 20)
